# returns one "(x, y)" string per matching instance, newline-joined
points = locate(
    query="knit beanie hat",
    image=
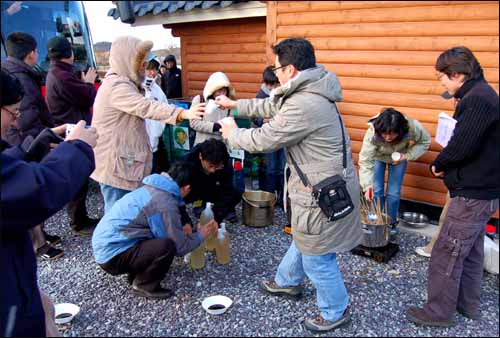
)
(59, 48)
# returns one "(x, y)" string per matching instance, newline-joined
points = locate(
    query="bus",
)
(44, 20)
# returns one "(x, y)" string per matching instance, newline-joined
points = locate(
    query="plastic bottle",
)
(197, 259)
(223, 248)
(238, 178)
(206, 216)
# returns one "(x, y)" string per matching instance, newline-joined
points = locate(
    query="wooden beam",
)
(271, 26)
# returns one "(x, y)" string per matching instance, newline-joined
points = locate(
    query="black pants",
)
(224, 200)
(77, 209)
(149, 261)
(160, 159)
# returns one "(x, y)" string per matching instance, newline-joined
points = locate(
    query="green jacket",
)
(374, 148)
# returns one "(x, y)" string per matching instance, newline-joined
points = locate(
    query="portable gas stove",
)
(379, 255)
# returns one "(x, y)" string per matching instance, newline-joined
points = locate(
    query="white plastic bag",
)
(490, 255)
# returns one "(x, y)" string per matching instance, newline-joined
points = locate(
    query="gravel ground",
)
(380, 293)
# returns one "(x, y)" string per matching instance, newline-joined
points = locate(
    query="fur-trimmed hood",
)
(215, 82)
(127, 56)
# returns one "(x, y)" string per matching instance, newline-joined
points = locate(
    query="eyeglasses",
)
(275, 69)
(16, 114)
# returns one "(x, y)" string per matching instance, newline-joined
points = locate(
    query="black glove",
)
(40, 146)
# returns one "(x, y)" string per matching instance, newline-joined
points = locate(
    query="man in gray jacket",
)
(306, 123)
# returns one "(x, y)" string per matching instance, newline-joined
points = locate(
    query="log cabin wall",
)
(384, 54)
(236, 47)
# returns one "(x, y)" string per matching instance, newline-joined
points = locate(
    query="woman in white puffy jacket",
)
(208, 127)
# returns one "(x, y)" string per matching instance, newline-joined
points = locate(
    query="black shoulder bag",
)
(331, 193)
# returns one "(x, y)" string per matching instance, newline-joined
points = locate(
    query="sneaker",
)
(48, 252)
(420, 250)
(52, 239)
(187, 258)
(420, 317)
(320, 324)
(393, 233)
(85, 227)
(273, 288)
(158, 293)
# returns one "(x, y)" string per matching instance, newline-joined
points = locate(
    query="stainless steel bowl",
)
(414, 220)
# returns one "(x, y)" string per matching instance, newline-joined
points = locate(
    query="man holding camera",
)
(70, 98)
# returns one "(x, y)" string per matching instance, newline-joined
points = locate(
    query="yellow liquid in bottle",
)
(223, 249)
(198, 258)
(210, 243)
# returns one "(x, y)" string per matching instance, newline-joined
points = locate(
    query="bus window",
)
(46, 19)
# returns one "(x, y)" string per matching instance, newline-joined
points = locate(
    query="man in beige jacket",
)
(306, 123)
(123, 155)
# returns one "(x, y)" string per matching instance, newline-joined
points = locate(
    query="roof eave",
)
(237, 11)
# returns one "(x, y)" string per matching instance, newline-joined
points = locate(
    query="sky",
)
(105, 28)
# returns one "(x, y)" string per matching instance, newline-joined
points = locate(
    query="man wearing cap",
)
(70, 98)
(171, 80)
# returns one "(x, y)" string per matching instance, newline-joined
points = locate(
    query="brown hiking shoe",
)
(273, 288)
(319, 324)
(468, 314)
(419, 316)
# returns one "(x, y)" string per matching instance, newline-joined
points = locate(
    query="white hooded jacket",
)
(154, 128)
(204, 127)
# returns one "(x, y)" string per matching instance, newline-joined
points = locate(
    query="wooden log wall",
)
(236, 47)
(384, 54)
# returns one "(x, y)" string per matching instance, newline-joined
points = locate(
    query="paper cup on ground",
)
(216, 305)
(65, 312)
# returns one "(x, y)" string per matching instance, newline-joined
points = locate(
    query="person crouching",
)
(142, 232)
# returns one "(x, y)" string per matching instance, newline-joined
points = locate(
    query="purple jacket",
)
(34, 113)
(68, 97)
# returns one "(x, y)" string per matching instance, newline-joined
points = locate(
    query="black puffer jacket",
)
(171, 83)
(35, 115)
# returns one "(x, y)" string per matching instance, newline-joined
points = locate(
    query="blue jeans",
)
(324, 273)
(275, 166)
(111, 195)
(394, 183)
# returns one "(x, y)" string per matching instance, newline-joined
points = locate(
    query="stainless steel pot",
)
(258, 208)
(375, 235)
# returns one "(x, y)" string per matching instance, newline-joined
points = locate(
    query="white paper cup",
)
(215, 301)
(396, 156)
(65, 312)
(226, 121)
(211, 107)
